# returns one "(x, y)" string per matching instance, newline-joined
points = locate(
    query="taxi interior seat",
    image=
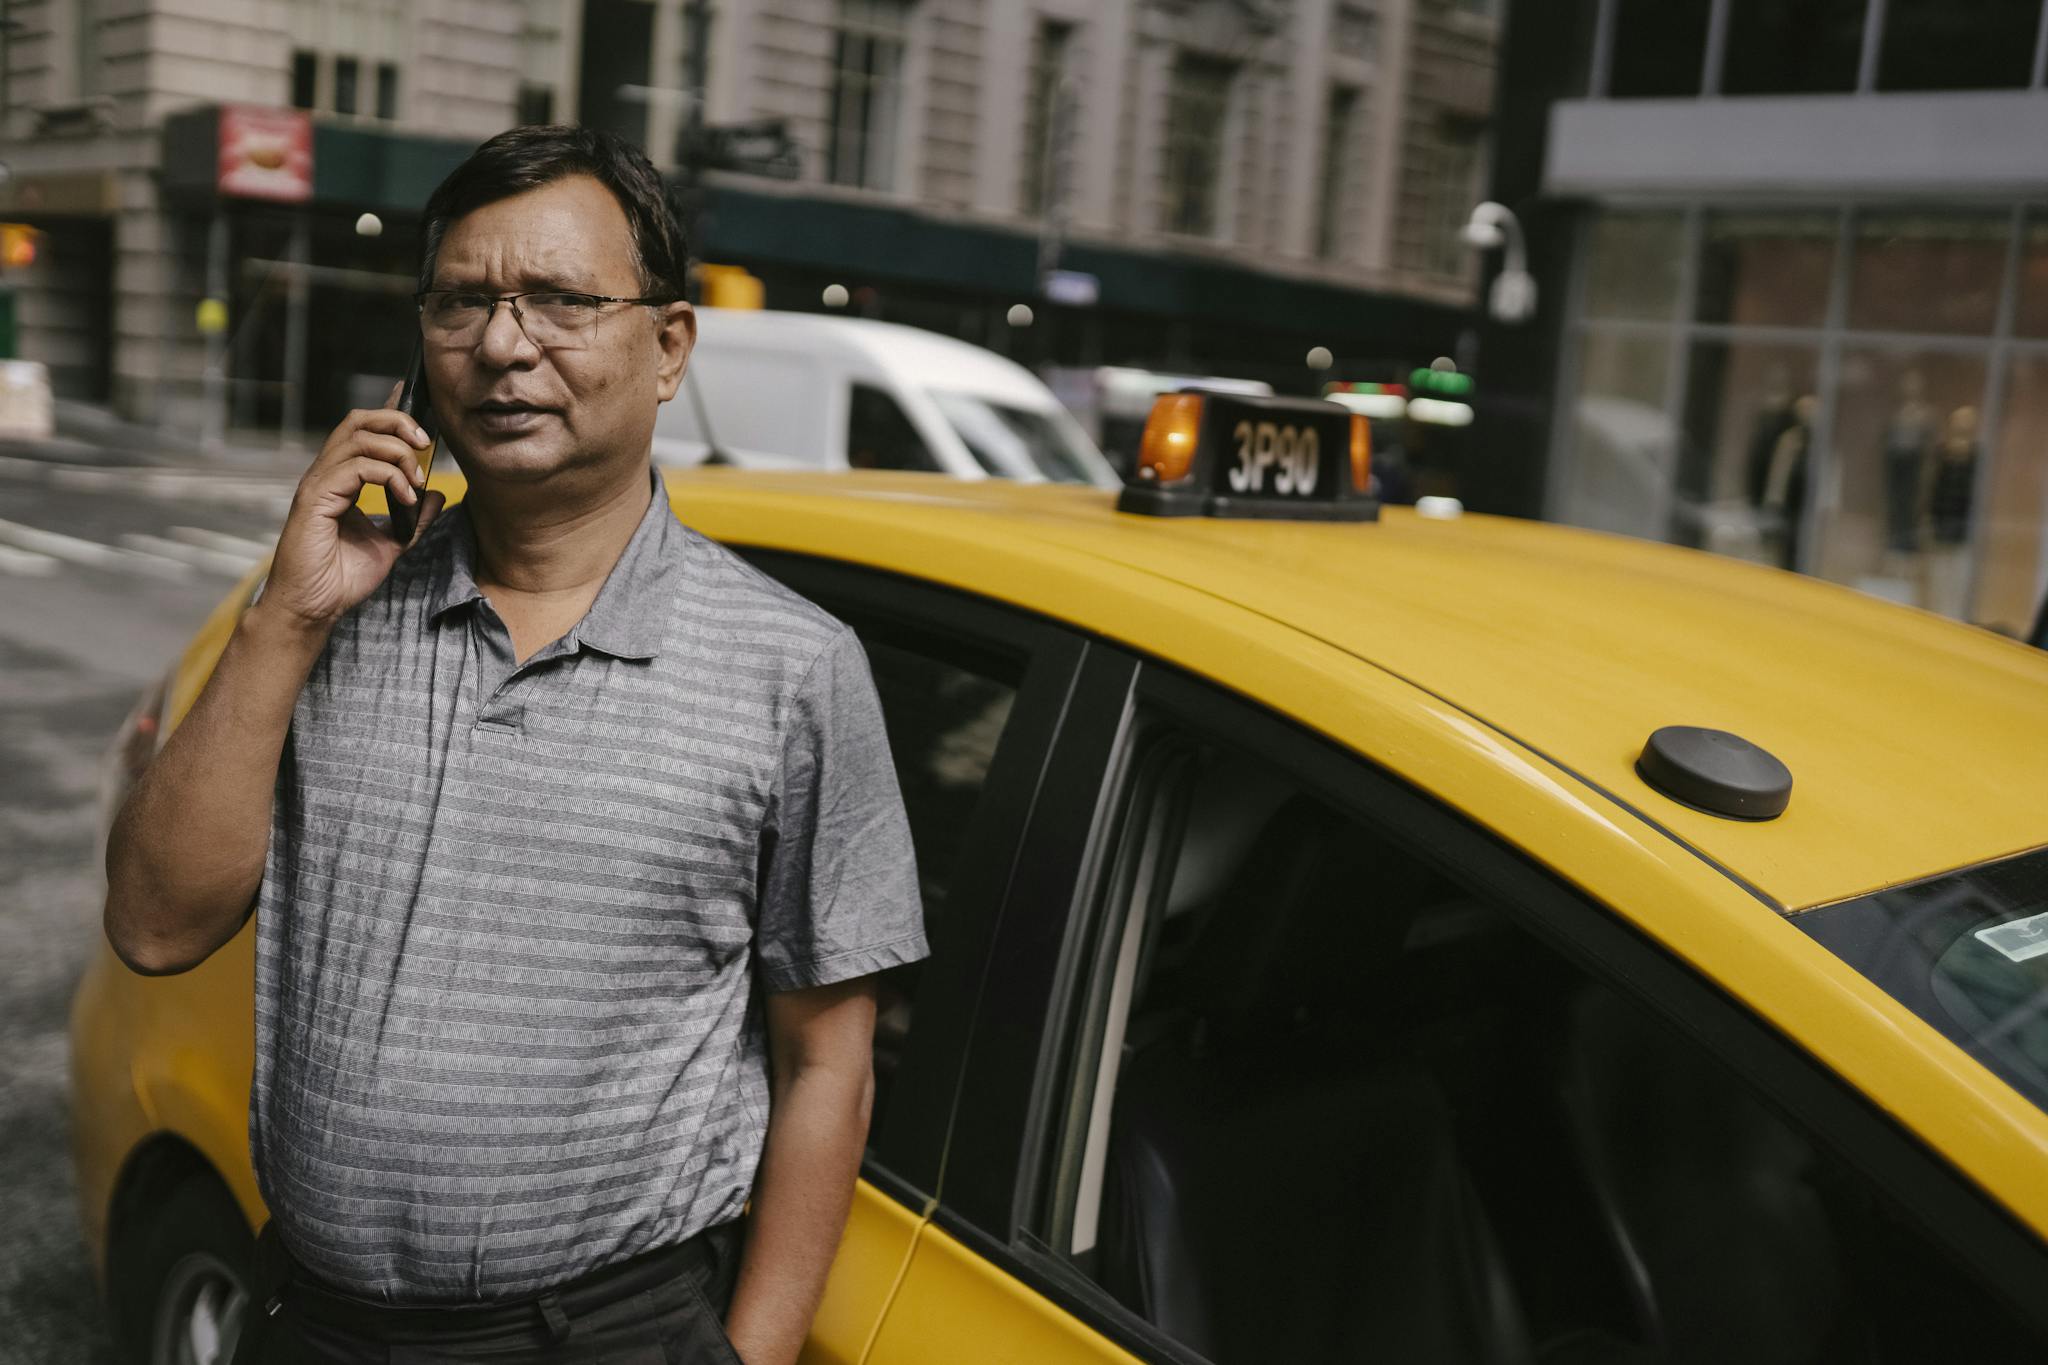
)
(1279, 1186)
(1729, 1214)
(1481, 1009)
(1755, 1242)
(1650, 1207)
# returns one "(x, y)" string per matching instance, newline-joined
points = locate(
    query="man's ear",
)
(675, 332)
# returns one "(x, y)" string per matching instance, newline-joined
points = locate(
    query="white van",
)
(799, 390)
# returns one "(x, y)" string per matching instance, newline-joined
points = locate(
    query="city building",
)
(113, 118)
(1206, 185)
(1795, 286)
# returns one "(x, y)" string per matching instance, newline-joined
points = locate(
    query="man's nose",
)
(504, 342)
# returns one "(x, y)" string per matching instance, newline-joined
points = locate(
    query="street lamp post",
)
(1494, 227)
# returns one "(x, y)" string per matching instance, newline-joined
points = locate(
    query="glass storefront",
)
(1765, 270)
(1906, 435)
(1622, 480)
(1928, 272)
(1858, 392)
(1632, 270)
(1747, 424)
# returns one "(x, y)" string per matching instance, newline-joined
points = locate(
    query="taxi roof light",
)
(1209, 453)
(1166, 453)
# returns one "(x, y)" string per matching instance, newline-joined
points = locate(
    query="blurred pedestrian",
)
(572, 841)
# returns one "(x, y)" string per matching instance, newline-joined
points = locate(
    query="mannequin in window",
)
(1784, 498)
(1772, 420)
(1908, 439)
(1949, 507)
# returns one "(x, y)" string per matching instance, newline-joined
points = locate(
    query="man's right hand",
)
(185, 856)
(331, 556)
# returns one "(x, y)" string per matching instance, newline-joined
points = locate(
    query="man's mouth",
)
(509, 415)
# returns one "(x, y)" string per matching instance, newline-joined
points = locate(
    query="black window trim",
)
(1001, 1152)
(999, 1119)
(906, 1158)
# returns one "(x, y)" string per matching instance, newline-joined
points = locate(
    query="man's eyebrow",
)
(528, 283)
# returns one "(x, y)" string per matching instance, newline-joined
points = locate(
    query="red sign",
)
(266, 153)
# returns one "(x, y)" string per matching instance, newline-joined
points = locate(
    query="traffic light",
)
(1440, 383)
(18, 245)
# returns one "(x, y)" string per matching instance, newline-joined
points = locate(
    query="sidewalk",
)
(89, 434)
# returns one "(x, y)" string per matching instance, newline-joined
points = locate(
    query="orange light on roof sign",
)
(1167, 452)
(17, 245)
(1361, 452)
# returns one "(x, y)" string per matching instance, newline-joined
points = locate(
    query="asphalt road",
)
(104, 574)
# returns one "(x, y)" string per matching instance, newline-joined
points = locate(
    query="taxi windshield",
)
(1016, 443)
(1967, 952)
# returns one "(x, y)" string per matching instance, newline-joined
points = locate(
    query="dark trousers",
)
(665, 1308)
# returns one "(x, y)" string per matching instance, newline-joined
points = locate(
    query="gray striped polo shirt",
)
(515, 919)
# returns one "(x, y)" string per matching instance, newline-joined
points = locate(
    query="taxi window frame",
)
(906, 1157)
(1016, 1102)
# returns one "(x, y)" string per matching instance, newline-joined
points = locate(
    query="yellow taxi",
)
(1357, 935)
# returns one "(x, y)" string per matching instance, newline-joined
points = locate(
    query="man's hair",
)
(522, 159)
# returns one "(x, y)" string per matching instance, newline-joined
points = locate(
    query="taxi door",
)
(973, 697)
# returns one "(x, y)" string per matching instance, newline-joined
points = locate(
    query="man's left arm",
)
(822, 1087)
(838, 903)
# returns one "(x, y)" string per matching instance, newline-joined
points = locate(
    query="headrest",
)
(1315, 914)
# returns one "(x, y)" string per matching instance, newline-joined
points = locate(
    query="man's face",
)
(515, 412)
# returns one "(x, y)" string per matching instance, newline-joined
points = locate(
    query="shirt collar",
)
(625, 619)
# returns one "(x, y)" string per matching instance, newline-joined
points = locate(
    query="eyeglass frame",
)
(419, 303)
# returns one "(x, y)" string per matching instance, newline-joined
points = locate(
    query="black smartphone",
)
(412, 401)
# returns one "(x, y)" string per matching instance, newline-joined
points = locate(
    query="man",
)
(572, 841)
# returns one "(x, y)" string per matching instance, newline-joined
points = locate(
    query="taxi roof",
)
(1916, 745)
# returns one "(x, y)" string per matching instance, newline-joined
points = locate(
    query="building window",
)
(1453, 190)
(1337, 146)
(536, 104)
(866, 89)
(1623, 449)
(305, 79)
(1928, 272)
(387, 90)
(345, 69)
(1198, 103)
(1355, 30)
(1047, 128)
(1939, 45)
(1659, 46)
(1768, 269)
(1633, 265)
(1793, 47)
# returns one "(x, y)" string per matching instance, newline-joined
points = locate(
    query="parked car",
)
(799, 390)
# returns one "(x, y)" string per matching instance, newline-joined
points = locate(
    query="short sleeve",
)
(838, 888)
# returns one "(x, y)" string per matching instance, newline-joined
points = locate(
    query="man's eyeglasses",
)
(552, 319)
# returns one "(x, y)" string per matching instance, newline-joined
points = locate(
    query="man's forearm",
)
(185, 855)
(817, 1128)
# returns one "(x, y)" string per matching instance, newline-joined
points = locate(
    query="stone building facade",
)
(1240, 178)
